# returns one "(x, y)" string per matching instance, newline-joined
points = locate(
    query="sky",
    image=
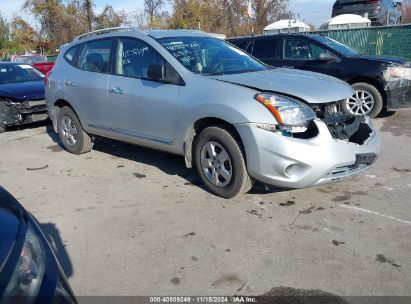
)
(311, 11)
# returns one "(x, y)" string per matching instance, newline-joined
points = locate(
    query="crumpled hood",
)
(27, 90)
(312, 87)
(383, 59)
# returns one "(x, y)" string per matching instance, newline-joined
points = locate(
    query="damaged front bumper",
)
(328, 154)
(398, 87)
(14, 112)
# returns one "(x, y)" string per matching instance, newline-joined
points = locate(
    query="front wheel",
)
(2, 129)
(367, 100)
(71, 133)
(220, 163)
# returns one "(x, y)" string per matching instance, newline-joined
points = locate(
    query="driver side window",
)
(301, 49)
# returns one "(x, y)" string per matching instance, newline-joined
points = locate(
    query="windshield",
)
(335, 45)
(210, 56)
(19, 73)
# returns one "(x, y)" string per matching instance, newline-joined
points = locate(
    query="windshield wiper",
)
(214, 74)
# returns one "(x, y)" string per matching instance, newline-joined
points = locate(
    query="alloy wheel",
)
(69, 131)
(216, 164)
(361, 103)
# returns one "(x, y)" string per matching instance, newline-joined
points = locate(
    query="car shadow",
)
(53, 236)
(386, 114)
(168, 163)
(33, 125)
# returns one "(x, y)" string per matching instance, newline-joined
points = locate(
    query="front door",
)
(307, 55)
(140, 108)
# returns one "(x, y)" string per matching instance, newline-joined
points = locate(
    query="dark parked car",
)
(29, 270)
(21, 95)
(380, 12)
(380, 82)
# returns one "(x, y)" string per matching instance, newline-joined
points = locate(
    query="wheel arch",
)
(198, 126)
(58, 104)
(372, 82)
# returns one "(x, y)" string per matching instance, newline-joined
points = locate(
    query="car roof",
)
(156, 34)
(273, 36)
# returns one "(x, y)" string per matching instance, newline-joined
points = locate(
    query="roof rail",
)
(104, 31)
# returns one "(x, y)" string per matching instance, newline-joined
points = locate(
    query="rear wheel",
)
(71, 133)
(220, 163)
(367, 100)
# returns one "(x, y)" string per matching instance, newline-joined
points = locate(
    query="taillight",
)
(46, 77)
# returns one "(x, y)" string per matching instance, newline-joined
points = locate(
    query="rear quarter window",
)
(71, 54)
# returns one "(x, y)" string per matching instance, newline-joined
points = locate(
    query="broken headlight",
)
(397, 72)
(28, 274)
(291, 114)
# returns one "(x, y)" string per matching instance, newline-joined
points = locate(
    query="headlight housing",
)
(28, 274)
(289, 112)
(397, 72)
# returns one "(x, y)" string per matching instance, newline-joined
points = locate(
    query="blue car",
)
(29, 270)
(21, 95)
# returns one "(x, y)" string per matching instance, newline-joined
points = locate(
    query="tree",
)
(4, 32)
(107, 18)
(406, 14)
(268, 11)
(23, 34)
(227, 16)
(60, 21)
(152, 8)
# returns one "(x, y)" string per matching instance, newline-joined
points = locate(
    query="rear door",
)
(305, 54)
(86, 84)
(140, 108)
(268, 50)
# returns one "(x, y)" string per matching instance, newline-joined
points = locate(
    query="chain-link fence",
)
(385, 40)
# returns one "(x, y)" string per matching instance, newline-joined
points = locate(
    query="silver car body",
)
(162, 116)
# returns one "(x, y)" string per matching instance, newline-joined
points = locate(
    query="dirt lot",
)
(129, 221)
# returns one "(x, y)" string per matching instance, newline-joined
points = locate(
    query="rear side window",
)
(95, 56)
(267, 49)
(70, 54)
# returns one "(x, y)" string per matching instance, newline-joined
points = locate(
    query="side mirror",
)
(326, 57)
(156, 72)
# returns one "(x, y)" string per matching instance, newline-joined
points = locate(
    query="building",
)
(346, 21)
(286, 26)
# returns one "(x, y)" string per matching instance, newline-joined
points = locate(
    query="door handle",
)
(288, 66)
(70, 83)
(116, 90)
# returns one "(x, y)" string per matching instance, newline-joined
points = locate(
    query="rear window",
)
(95, 56)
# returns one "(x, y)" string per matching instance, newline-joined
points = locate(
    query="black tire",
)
(374, 92)
(83, 142)
(2, 129)
(241, 182)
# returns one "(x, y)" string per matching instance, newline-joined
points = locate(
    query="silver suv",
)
(233, 118)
